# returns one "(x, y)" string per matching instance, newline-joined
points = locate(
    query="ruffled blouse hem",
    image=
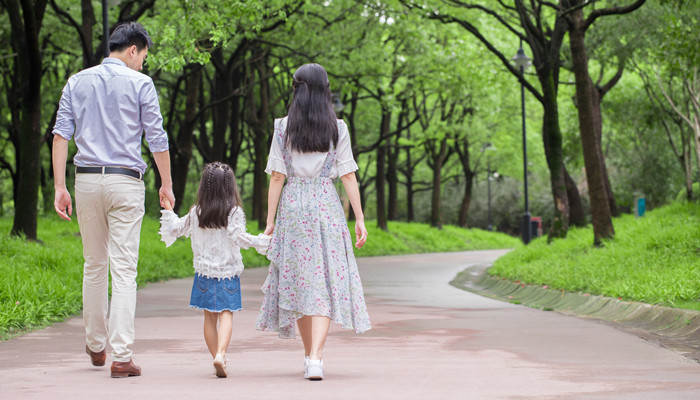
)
(275, 164)
(347, 167)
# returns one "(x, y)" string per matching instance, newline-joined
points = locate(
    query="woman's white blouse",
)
(216, 251)
(309, 165)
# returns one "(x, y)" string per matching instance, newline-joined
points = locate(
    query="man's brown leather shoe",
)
(125, 369)
(98, 359)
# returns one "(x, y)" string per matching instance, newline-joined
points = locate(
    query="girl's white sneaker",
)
(220, 366)
(314, 370)
(306, 367)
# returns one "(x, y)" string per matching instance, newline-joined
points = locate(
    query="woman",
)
(313, 276)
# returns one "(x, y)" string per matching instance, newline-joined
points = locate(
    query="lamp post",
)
(523, 61)
(105, 26)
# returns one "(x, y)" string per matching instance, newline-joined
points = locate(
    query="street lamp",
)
(523, 61)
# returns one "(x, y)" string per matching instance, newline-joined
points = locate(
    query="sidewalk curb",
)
(673, 328)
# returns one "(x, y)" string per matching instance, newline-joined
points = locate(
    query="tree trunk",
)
(466, 199)
(180, 159)
(598, 123)
(260, 145)
(600, 208)
(220, 112)
(25, 42)
(577, 217)
(551, 137)
(381, 172)
(392, 178)
(435, 208)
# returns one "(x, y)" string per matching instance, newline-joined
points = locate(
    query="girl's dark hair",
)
(129, 34)
(216, 196)
(311, 122)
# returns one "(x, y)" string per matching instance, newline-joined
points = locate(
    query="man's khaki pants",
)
(110, 209)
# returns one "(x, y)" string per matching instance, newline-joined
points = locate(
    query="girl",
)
(217, 227)
(313, 276)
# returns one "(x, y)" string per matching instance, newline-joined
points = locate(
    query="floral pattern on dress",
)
(313, 269)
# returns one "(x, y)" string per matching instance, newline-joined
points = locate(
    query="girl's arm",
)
(350, 185)
(273, 198)
(172, 227)
(237, 234)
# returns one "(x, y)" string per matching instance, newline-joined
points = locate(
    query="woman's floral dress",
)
(312, 265)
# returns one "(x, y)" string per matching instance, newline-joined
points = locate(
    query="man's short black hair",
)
(128, 34)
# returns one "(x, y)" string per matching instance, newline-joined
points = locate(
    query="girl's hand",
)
(360, 234)
(268, 229)
(166, 204)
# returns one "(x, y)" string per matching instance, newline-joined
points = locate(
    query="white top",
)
(217, 251)
(309, 165)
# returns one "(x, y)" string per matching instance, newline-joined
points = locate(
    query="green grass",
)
(654, 259)
(41, 283)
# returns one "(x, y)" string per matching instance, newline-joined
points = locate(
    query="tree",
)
(26, 18)
(587, 97)
(543, 29)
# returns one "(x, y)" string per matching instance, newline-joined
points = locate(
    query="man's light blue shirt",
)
(109, 107)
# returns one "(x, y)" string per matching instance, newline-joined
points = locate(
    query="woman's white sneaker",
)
(306, 367)
(314, 370)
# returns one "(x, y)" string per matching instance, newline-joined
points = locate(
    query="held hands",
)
(269, 229)
(166, 204)
(360, 233)
(62, 203)
(167, 198)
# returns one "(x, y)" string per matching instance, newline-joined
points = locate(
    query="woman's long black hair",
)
(216, 196)
(311, 122)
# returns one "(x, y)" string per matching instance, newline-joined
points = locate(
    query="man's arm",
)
(62, 201)
(166, 188)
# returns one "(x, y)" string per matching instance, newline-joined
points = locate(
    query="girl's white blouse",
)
(216, 251)
(309, 165)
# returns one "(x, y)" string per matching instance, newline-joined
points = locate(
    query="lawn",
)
(654, 259)
(41, 282)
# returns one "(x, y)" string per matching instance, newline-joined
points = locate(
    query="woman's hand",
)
(360, 233)
(268, 229)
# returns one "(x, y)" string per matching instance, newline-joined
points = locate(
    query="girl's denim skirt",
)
(216, 295)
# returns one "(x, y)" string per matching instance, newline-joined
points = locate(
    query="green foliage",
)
(654, 259)
(42, 282)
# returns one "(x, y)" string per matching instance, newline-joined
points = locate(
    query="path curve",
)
(429, 341)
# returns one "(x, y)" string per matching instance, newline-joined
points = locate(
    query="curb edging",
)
(674, 328)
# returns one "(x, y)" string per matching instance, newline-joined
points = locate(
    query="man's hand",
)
(63, 204)
(166, 193)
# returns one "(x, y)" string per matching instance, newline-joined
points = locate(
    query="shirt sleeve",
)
(172, 227)
(275, 161)
(345, 161)
(238, 235)
(152, 120)
(65, 125)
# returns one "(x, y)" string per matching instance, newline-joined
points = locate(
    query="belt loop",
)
(103, 171)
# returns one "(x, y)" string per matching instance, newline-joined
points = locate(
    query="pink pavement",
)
(429, 341)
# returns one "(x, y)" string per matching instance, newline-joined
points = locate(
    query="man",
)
(108, 108)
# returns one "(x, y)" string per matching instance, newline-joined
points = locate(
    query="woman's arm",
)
(350, 185)
(273, 198)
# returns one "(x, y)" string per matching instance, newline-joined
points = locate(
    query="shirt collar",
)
(112, 60)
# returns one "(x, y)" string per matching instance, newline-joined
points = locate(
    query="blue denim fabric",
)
(216, 295)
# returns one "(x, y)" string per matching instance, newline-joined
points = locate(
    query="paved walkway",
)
(429, 341)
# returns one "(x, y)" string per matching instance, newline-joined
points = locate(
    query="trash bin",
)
(535, 227)
(640, 206)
